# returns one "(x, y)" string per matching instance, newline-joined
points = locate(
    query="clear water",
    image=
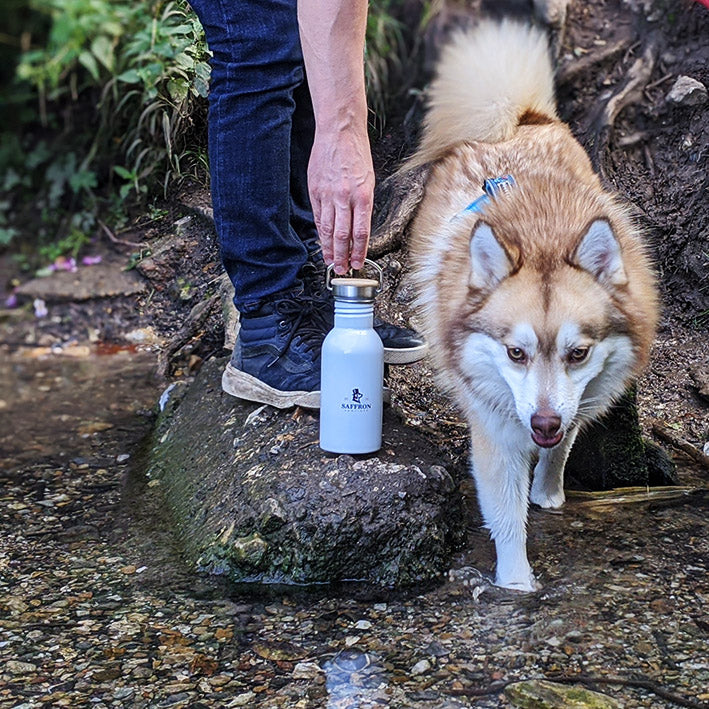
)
(625, 582)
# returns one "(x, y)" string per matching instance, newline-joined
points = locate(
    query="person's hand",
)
(340, 173)
(341, 186)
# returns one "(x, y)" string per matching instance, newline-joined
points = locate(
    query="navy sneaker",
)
(401, 344)
(276, 359)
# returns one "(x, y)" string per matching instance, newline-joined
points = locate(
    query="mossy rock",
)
(254, 497)
(542, 694)
(612, 452)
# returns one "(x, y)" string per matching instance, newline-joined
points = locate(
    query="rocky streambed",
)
(98, 607)
(103, 599)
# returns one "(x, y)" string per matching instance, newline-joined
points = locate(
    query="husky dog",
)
(536, 295)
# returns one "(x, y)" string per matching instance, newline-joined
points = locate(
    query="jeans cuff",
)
(256, 305)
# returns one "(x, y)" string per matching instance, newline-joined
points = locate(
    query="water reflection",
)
(355, 680)
(55, 406)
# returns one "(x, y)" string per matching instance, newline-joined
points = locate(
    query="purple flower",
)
(64, 264)
(40, 308)
(91, 260)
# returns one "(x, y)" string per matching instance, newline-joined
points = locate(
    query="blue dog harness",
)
(492, 187)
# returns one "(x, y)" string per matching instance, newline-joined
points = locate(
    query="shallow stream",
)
(96, 608)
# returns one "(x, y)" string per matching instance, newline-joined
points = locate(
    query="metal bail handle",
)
(355, 274)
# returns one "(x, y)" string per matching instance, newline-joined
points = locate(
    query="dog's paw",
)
(545, 499)
(526, 584)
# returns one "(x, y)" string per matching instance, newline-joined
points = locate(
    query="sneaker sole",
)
(404, 356)
(245, 386)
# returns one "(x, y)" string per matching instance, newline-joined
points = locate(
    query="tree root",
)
(700, 378)
(195, 320)
(395, 202)
(630, 91)
(574, 69)
(123, 242)
(665, 433)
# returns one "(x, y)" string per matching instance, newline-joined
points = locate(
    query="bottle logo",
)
(356, 403)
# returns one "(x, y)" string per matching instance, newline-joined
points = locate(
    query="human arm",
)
(340, 172)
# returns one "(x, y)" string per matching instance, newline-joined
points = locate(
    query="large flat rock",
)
(102, 281)
(255, 498)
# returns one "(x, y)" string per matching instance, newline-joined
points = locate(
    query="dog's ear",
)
(599, 253)
(489, 263)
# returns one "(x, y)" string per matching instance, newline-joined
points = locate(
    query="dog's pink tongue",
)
(544, 442)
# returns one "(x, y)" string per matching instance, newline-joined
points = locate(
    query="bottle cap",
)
(355, 290)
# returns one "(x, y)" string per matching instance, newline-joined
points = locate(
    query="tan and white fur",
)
(540, 309)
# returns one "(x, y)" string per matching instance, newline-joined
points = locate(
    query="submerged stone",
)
(275, 508)
(542, 694)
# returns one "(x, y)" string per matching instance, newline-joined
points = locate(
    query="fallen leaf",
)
(90, 427)
(279, 651)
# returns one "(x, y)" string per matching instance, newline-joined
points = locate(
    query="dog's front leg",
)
(500, 466)
(548, 485)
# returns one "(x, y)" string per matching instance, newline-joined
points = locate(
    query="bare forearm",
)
(340, 174)
(332, 36)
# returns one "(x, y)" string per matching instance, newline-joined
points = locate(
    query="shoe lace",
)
(306, 324)
(313, 276)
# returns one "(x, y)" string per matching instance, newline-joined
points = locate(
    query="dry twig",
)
(664, 432)
(589, 680)
(115, 240)
(643, 683)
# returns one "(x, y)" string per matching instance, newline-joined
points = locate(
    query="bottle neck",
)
(352, 314)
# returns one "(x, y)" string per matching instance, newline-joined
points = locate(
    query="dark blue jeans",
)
(261, 128)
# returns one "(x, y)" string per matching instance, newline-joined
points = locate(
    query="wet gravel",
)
(96, 608)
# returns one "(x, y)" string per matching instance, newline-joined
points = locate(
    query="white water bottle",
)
(352, 371)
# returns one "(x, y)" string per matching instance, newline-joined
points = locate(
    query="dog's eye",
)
(578, 354)
(517, 355)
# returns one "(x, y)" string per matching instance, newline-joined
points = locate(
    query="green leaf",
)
(122, 172)
(102, 49)
(87, 60)
(184, 60)
(201, 79)
(178, 89)
(84, 179)
(129, 77)
(203, 70)
(38, 155)
(115, 29)
(7, 234)
(12, 179)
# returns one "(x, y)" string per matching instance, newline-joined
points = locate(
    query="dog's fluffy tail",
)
(489, 80)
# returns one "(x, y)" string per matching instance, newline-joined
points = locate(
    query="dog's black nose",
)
(546, 424)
